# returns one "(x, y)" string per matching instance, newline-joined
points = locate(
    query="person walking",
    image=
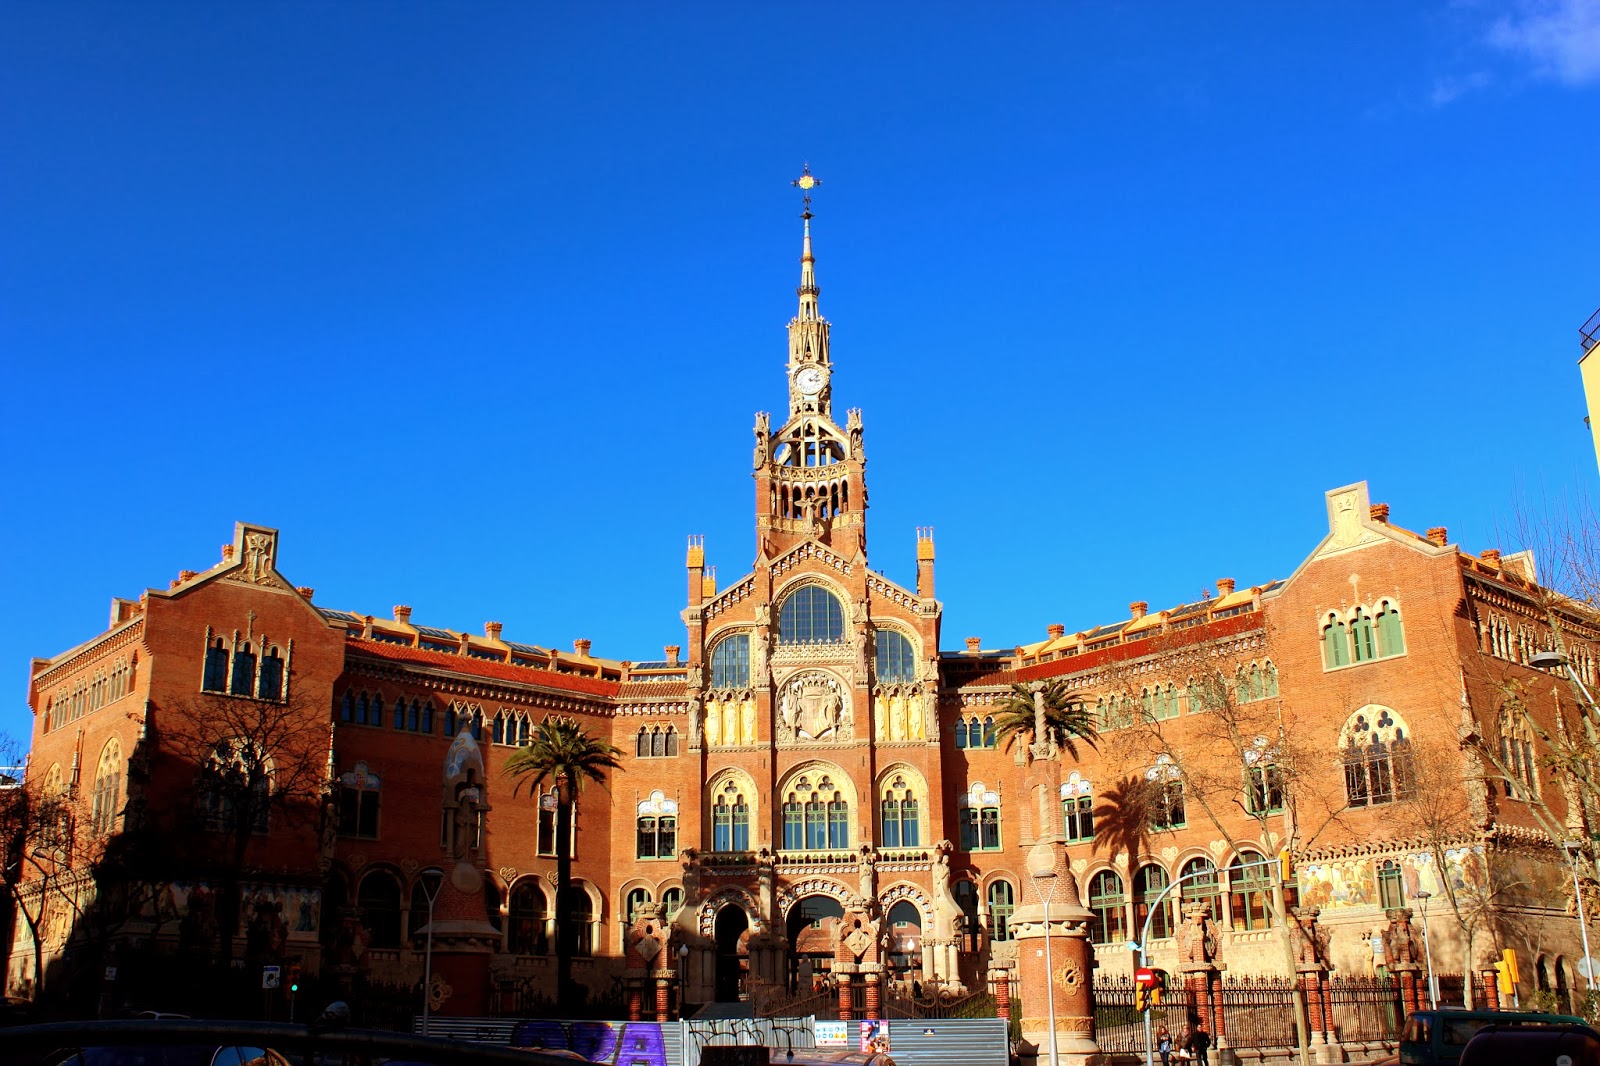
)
(1164, 1045)
(1198, 1044)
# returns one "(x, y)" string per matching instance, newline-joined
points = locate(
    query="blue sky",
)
(476, 302)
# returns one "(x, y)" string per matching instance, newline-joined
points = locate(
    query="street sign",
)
(1144, 975)
(1589, 966)
(111, 973)
(270, 976)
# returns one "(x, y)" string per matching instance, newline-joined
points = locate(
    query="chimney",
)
(582, 647)
(1491, 556)
(695, 560)
(1056, 630)
(708, 583)
(1225, 586)
(227, 553)
(925, 562)
(672, 651)
(402, 614)
(1138, 608)
(306, 592)
(492, 630)
(185, 575)
(1379, 512)
(1439, 535)
(974, 644)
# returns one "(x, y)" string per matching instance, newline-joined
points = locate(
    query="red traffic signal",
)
(1144, 977)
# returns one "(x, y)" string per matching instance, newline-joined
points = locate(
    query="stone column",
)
(1202, 973)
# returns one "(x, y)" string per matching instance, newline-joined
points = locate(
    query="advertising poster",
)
(875, 1036)
(832, 1034)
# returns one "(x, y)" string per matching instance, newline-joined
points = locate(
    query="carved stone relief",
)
(813, 705)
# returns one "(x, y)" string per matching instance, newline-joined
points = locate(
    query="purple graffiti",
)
(613, 1043)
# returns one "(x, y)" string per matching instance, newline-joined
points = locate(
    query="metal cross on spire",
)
(805, 183)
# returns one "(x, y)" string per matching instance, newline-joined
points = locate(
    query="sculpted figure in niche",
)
(730, 723)
(713, 724)
(694, 721)
(880, 716)
(914, 730)
(897, 718)
(749, 715)
(763, 614)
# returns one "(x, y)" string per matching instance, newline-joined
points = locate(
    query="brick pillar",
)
(873, 994)
(1327, 1007)
(1002, 994)
(1491, 990)
(845, 1011)
(1219, 1020)
(663, 999)
(1408, 990)
(1316, 1017)
(635, 1003)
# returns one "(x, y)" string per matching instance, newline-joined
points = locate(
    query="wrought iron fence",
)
(1120, 1029)
(773, 1001)
(1259, 1012)
(979, 1004)
(1366, 1009)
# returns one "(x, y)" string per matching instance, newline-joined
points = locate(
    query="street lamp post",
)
(1573, 849)
(431, 879)
(1042, 868)
(1427, 947)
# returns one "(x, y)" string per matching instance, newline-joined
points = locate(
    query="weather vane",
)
(805, 183)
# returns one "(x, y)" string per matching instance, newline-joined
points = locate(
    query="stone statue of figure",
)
(914, 730)
(763, 614)
(749, 721)
(695, 710)
(465, 818)
(897, 718)
(713, 724)
(763, 438)
(730, 723)
(866, 871)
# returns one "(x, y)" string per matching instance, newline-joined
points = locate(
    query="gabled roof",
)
(473, 666)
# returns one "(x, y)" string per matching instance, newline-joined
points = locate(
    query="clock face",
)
(809, 380)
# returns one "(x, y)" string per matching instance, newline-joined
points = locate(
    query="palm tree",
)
(1122, 820)
(561, 754)
(1067, 719)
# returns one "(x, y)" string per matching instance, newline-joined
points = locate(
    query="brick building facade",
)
(810, 762)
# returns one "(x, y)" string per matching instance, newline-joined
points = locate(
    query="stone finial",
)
(1056, 630)
(306, 592)
(1138, 608)
(185, 575)
(581, 647)
(227, 553)
(1491, 556)
(1439, 535)
(1225, 586)
(974, 644)
(402, 614)
(672, 651)
(1378, 512)
(492, 630)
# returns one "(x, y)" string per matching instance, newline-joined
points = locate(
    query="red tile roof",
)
(468, 664)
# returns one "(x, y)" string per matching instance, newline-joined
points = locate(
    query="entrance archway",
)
(905, 941)
(813, 929)
(731, 925)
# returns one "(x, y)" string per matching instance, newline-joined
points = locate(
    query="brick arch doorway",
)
(813, 930)
(731, 925)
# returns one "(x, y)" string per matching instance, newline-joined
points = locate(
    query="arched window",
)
(107, 788)
(1107, 919)
(658, 742)
(897, 658)
(1166, 806)
(1516, 753)
(1335, 643)
(527, 914)
(1201, 885)
(1391, 635)
(375, 717)
(244, 672)
(270, 685)
(359, 789)
(491, 901)
(901, 827)
(235, 787)
(980, 818)
(730, 662)
(379, 905)
(1002, 903)
(1250, 890)
(1377, 758)
(216, 673)
(413, 717)
(730, 820)
(671, 903)
(961, 733)
(815, 817)
(657, 827)
(452, 723)
(427, 717)
(636, 898)
(966, 894)
(1263, 777)
(1077, 809)
(811, 615)
(1391, 885)
(545, 837)
(417, 917)
(1362, 637)
(1148, 884)
(641, 744)
(989, 735)
(577, 930)
(1269, 681)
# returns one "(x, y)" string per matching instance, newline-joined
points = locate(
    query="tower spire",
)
(808, 270)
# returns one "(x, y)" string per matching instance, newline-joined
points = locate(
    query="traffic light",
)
(1144, 983)
(294, 978)
(1141, 998)
(1158, 988)
(1285, 866)
(1505, 972)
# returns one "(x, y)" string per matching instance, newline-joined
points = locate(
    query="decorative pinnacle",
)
(805, 183)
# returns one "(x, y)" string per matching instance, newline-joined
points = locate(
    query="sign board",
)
(875, 1037)
(1589, 966)
(270, 976)
(1144, 976)
(832, 1034)
(111, 973)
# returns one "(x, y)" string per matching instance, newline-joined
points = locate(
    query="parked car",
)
(1437, 1037)
(1526, 1045)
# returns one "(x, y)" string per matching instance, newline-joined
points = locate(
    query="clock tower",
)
(809, 473)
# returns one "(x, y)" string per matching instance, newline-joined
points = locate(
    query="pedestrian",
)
(1164, 1045)
(1198, 1044)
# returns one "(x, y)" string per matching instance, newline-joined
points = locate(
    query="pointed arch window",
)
(1335, 643)
(1362, 636)
(269, 686)
(900, 815)
(730, 819)
(1148, 884)
(1378, 765)
(1391, 885)
(1077, 809)
(216, 672)
(1249, 890)
(657, 827)
(636, 898)
(1202, 886)
(107, 789)
(979, 807)
(527, 914)
(1391, 634)
(815, 817)
(1517, 754)
(359, 790)
(244, 671)
(811, 615)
